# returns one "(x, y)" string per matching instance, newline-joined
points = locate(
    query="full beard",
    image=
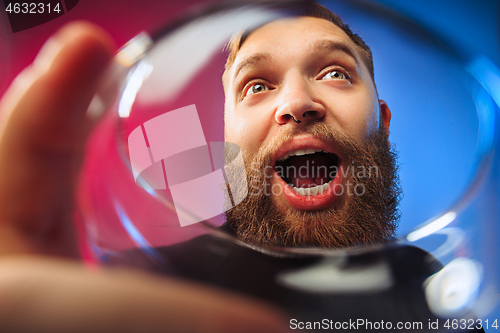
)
(359, 217)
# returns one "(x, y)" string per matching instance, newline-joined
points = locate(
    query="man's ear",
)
(385, 114)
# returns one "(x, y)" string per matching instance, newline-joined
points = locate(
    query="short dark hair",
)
(312, 9)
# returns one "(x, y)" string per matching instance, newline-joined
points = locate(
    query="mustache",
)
(347, 145)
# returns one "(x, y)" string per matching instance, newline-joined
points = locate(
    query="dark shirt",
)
(383, 284)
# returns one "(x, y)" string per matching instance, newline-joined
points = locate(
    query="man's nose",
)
(298, 103)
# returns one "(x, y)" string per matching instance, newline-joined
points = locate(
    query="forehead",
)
(293, 37)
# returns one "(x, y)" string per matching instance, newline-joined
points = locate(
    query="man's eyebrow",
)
(251, 61)
(330, 46)
(327, 45)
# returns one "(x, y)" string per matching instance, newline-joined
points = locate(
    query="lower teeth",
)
(319, 189)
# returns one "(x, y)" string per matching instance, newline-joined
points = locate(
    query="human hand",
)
(43, 128)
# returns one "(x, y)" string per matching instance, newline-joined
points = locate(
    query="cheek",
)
(357, 115)
(373, 118)
(245, 132)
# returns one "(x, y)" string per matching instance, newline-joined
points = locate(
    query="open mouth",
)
(309, 171)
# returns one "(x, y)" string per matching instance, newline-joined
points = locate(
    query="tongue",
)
(308, 170)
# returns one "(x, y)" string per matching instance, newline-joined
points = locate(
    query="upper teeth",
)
(300, 152)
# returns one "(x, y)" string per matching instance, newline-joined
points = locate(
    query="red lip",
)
(313, 202)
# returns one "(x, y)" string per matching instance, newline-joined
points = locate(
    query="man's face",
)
(298, 65)
(292, 81)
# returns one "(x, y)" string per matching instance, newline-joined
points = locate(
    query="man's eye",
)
(335, 74)
(256, 88)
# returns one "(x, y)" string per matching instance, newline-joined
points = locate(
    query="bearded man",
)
(299, 92)
(301, 103)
